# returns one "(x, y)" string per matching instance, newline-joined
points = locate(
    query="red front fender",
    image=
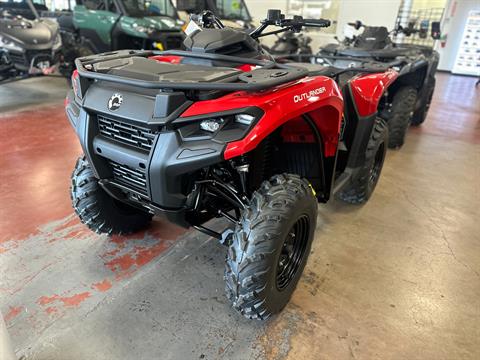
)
(309, 95)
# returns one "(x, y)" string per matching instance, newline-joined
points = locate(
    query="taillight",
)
(75, 84)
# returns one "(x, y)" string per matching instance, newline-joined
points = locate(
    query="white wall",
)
(258, 8)
(455, 17)
(370, 12)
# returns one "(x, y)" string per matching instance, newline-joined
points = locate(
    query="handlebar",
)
(356, 25)
(207, 19)
(322, 23)
(274, 17)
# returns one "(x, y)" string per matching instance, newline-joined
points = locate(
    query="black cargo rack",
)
(272, 73)
(370, 62)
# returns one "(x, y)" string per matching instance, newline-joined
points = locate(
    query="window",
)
(111, 6)
(150, 8)
(94, 4)
(233, 10)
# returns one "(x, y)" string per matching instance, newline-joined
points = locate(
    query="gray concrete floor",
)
(397, 278)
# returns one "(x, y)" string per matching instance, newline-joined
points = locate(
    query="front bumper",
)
(157, 175)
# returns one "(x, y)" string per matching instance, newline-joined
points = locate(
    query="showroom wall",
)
(371, 12)
(454, 21)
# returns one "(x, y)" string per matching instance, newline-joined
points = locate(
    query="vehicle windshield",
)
(141, 8)
(233, 10)
(20, 7)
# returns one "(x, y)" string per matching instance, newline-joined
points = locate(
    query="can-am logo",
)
(114, 102)
(305, 96)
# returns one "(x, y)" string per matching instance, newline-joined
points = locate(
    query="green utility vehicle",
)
(105, 25)
(232, 13)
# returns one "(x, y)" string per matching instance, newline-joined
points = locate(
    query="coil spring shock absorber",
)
(242, 167)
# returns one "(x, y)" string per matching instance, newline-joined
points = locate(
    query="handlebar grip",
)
(317, 22)
(356, 25)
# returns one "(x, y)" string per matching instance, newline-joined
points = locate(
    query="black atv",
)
(291, 46)
(408, 100)
(29, 44)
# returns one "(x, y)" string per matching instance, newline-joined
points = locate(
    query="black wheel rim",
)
(377, 165)
(293, 251)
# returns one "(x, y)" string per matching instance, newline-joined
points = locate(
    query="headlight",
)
(211, 125)
(142, 29)
(9, 44)
(224, 129)
(58, 42)
(244, 119)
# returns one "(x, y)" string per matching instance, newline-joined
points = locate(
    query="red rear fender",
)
(368, 89)
(319, 96)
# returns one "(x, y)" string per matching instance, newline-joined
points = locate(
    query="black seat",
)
(373, 38)
(355, 52)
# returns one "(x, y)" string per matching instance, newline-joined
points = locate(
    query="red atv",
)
(221, 130)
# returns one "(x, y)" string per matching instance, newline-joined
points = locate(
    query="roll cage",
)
(26, 8)
(119, 6)
(218, 7)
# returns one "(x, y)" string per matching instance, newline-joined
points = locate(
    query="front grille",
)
(134, 179)
(139, 137)
(18, 59)
(24, 60)
(173, 42)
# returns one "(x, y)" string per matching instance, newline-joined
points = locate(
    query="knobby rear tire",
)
(421, 114)
(362, 185)
(403, 105)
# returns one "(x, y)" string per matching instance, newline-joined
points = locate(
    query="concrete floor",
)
(398, 278)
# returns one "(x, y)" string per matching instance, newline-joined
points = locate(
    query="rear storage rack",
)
(270, 74)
